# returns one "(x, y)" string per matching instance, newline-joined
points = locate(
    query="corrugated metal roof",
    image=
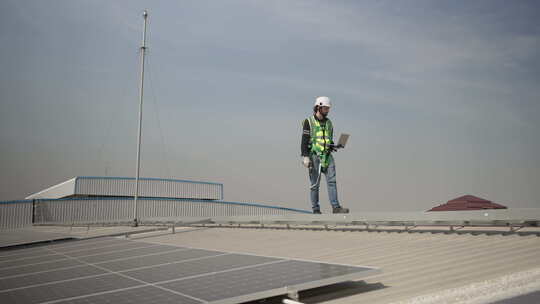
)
(413, 264)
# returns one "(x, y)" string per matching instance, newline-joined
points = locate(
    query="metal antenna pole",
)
(143, 50)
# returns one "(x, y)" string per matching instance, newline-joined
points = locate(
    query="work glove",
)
(306, 161)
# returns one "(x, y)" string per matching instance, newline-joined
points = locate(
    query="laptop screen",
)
(343, 139)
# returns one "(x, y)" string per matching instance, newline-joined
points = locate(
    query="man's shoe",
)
(317, 212)
(340, 210)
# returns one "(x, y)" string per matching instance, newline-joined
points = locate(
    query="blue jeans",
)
(315, 181)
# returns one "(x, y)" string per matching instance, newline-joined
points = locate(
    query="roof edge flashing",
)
(37, 194)
(148, 179)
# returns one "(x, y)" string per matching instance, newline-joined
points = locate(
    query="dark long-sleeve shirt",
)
(306, 138)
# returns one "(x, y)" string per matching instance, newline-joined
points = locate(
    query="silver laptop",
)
(343, 140)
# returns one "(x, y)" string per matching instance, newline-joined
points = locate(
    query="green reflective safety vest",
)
(321, 138)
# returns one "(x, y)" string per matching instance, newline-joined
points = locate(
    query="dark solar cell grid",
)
(37, 268)
(202, 266)
(98, 258)
(26, 253)
(142, 295)
(67, 289)
(49, 276)
(157, 259)
(105, 249)
(83, 244)
(31, 260)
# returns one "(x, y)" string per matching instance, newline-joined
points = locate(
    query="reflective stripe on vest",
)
(321, 135)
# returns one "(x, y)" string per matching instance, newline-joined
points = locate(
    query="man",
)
(317, 147)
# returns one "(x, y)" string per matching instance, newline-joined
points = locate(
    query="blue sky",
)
(441, 98)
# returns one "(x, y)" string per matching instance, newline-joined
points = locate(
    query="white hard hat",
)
(323, 101)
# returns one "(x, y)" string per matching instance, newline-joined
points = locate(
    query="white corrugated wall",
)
(148, 188)
(121, 210)
(15, 214)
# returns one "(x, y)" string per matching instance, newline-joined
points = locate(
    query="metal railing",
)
(111, 211)
(506, 221)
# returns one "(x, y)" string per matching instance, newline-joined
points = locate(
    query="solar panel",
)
(33, 252)
(113, 270)
(196, 267)
(236, 284)
(122, 255)
(19, 270)
(90, 249)
(48, 276)
(156, 259)
(84, 244)
(66, 289)
(144, 294)
(30, 260)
